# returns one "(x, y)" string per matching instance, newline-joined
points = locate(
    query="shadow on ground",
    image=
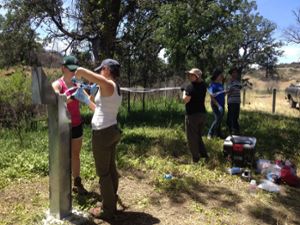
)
(122, 218)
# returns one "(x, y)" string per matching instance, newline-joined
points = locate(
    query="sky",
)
(280, 12)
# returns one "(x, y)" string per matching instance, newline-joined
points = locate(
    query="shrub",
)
(16, 109)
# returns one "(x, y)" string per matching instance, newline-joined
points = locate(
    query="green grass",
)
(153, 142)
(154, 133)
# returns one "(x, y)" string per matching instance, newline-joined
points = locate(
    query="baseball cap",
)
(71, 62)
(195, 71)
(112, 64)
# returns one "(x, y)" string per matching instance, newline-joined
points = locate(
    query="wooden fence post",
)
(274, 100)
(244, 96)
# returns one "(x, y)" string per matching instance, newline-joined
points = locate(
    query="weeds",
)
(153, 144)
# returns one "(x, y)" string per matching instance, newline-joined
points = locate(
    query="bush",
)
(16, 109)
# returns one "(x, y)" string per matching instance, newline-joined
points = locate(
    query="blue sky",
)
(281, 13)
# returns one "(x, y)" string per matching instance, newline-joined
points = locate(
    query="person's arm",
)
(91, 104)
(83, 97)
(57, 88)
(185, 98)
(106, 86)
(213, 99)
(211, 93)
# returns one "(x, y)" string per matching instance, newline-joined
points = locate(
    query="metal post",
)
(274, 100)
(59, 131)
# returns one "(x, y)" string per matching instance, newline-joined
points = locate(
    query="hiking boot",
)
(78, 187)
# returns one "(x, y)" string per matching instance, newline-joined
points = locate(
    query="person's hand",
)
(81, 96)
(220, 108)
(93, 89)
(75, 80)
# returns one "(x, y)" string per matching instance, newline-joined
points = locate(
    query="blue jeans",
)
(215, 128)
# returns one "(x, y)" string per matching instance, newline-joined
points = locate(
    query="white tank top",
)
(106, 111)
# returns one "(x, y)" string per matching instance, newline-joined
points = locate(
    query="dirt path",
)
(145, 205)
(27, 203)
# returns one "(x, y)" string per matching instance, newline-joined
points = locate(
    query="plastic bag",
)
(269, 186)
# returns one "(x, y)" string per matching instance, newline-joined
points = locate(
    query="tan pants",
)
(104, 150)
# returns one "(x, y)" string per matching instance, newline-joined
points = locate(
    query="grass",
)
(153, 144)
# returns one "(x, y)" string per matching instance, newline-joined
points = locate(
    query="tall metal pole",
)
(59, 131)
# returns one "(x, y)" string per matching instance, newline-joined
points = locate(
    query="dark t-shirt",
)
(197, 91)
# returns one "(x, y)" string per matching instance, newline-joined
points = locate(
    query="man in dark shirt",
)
(194, 97)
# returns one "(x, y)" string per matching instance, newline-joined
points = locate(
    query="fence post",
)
(274, 100)
(244, 96)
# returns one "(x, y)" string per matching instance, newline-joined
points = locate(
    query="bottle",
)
(235, 170)
(252, 187)
(168, 176)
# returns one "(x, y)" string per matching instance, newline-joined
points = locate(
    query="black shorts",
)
(77, 131)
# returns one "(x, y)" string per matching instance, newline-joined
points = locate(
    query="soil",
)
(203, 204)
(143, 204)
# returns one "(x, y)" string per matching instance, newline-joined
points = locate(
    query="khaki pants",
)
(104, 150)
(194, 125)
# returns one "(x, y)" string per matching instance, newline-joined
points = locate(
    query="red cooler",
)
(240, 150)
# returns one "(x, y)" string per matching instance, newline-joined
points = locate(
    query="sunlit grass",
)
(154, 144)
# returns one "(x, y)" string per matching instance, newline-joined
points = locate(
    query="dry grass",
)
(260, 98)
(264, 102)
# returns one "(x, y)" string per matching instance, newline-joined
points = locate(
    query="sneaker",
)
(209, 137)
(78, 187)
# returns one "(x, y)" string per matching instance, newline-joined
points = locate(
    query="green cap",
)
(71, 62)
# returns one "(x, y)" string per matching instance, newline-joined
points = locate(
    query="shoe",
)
(78, 187)
(209, 137)
(98, 213)
(120, 202)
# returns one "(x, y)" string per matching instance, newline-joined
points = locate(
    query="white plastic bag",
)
(269, 186)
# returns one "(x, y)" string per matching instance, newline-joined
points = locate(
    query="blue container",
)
(235, 170)
(168, 176)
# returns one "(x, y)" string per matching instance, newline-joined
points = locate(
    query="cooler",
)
(240, 150)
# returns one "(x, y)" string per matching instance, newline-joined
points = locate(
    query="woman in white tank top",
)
(106, 134)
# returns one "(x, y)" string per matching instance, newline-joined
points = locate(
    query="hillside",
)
(286, 76)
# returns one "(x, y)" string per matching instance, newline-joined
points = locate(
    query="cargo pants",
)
(104, 143)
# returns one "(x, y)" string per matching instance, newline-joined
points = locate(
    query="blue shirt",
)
(217, 90)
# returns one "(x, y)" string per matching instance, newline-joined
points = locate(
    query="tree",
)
(188, 28)
(215, 33)
(252, 41)
(292, 33)
(17, 42)
(76, 22)
(138, 49)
